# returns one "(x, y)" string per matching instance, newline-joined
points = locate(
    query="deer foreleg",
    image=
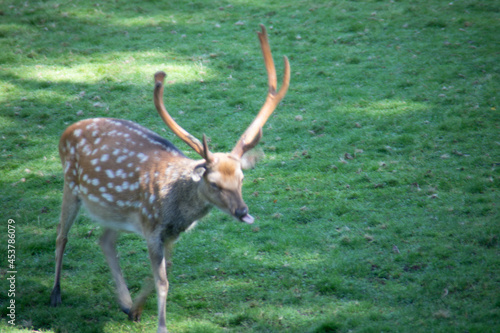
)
(159, 266)
(149, 286)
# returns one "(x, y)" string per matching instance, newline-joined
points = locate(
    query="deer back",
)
(129, 177)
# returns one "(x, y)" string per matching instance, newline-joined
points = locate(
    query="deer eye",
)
(214, 186)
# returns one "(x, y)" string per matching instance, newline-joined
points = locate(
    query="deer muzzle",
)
(242, 214)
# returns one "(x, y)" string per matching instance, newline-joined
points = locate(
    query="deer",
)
(130, 179)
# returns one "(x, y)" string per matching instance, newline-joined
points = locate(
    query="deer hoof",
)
(162, 329)
(135, 314)
(55, 297)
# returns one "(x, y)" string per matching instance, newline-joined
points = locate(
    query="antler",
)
(201, 149)
(253, 133)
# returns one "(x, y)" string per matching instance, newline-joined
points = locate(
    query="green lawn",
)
(377, 202)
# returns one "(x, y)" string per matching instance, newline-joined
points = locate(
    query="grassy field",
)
(377, 202)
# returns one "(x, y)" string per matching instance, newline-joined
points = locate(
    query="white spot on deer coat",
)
(121, 158)
(93, 198)
(108, 197)
(87, 150)
(104, 157)
(142, 158)
(95, 181)
(81, 142)
(110, 173)
(77, 132)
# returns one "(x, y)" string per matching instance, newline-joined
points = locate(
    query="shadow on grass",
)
(88, 293)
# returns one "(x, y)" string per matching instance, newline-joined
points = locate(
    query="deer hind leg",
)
(70, 206)
(108, 246)
(139, 301)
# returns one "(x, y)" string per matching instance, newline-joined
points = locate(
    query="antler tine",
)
(170, 122)
(268, 58)
(252, 135)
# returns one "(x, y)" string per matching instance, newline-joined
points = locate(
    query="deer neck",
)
(180, 196)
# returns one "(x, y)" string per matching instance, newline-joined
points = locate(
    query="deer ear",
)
(199, 171)
(251, 157)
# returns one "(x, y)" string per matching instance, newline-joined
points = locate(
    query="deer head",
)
(220, 173)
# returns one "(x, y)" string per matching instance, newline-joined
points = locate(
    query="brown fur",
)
(131, 179)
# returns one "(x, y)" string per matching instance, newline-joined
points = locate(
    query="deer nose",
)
(240, 212)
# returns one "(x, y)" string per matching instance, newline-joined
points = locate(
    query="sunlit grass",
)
(390, 107)
(120, 72)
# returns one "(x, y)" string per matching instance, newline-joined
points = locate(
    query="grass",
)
(376, 203)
